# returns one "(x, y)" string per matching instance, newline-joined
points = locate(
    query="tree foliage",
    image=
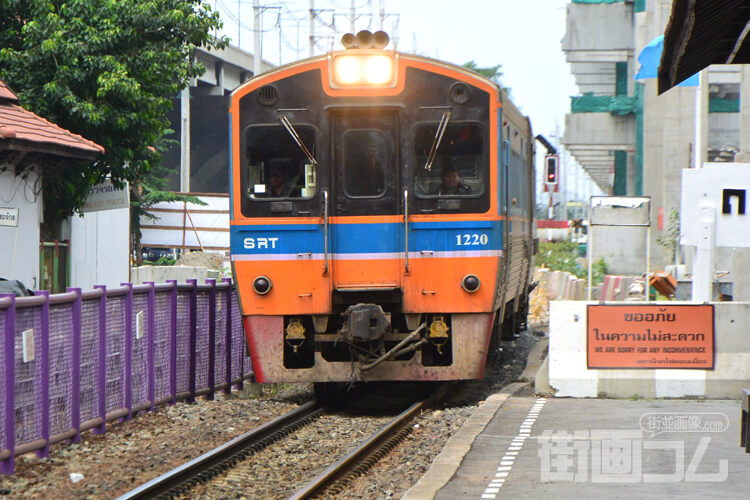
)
(563, 256)
(107, 70)
(493, 73)
(141, 201)
(671, 240)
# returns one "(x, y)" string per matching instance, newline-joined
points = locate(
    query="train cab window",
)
(276, 166)
(451, 165)
(365, 157)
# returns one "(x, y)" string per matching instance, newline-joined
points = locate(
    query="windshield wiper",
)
(290, 128)
(436, 141)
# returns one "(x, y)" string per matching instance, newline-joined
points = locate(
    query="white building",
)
(30, 147)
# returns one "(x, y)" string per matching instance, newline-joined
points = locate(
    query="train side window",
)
(276, 167)
(457, 168)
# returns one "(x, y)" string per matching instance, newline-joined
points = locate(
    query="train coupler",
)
(365, 323)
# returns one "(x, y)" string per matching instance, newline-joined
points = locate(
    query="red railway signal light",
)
(551, 169)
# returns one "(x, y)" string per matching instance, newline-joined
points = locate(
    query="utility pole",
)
(298, 50)
(352, 17)
(185, 140)
(394, 38)
(256, 38)
(216, 30)
(312, 28)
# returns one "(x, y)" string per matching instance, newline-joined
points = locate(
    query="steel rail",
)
(364, 451)
(201, 465)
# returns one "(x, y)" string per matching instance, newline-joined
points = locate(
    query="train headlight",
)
(347, 70)
(378, 70)
(262, 285)
(363, 70)
(471, 283)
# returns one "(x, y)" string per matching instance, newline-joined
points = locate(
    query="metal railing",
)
(74, 361)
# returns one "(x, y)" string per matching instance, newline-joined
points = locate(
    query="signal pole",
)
(256, 38)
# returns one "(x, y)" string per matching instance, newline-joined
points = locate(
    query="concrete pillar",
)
(741, 256)
(620, 185)
(185, 140)
(631, 174)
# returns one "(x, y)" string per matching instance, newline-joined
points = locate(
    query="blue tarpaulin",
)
(650, 57)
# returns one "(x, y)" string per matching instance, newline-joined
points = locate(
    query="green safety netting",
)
(639, 5)
(719, 105)
(615, 104)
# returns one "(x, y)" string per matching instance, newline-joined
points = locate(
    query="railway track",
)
(238, 464)
(210, 464)
(338, 476)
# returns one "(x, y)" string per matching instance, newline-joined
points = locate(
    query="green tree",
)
(140, 203)
(107, 70)
(493, 73)
(671, 240)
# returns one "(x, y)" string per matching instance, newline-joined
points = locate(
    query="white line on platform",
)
(506, 463)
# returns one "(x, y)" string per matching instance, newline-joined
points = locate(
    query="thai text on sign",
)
(650, 336)
(9, 217)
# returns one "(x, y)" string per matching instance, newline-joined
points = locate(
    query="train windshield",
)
(458, 168)
(277, 167)
(366, 156)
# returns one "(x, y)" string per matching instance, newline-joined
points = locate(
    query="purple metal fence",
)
(74, 361)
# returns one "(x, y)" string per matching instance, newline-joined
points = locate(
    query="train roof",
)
(401, 55)
(503, 96)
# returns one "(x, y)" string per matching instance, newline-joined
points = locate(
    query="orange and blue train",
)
(382, 217)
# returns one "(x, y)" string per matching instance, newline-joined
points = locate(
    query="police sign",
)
(105, 196)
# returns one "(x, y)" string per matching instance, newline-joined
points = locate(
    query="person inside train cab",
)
(279, 183)
(451, 182)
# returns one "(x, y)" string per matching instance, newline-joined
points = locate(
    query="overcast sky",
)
(524, 36)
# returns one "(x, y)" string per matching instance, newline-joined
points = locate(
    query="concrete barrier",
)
(160, 274)
(616, 287)
(570, 377)
(560, 284)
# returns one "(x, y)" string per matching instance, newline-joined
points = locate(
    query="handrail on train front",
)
(406, 229)
(325, 231)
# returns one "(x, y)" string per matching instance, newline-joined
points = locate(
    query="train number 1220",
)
(465, 240)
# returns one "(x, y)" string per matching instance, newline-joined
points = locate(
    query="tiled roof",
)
(19, 126)
(6, 93)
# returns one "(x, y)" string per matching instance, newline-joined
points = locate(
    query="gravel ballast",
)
(134, 452)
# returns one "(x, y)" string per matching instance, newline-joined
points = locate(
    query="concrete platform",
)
(523, 446)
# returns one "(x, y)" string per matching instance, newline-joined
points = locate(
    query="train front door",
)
(367, 229)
